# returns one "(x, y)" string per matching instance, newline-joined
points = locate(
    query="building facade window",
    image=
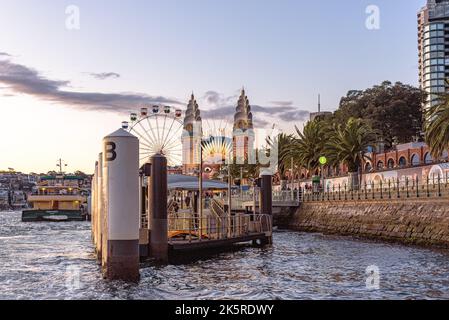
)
(380, 165)
(368, 167)
(390, 164)
(428, 158)
(402, 162)
(415, 160)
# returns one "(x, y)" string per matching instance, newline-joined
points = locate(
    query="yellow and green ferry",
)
(57, 198)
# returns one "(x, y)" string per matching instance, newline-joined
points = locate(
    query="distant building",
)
(217, 149)
(321, 114)
(410, 156)
(433, 48)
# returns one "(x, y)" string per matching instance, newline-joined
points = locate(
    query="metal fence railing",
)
(279, 196)
(392, 189)
(187, 226)
(286, 196)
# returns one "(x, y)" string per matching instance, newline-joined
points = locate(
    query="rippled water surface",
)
(38, 261)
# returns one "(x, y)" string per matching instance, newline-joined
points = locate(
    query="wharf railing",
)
(185, 226)
(406, 188)
(278, 196)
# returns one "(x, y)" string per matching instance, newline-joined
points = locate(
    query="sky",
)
(64, 86)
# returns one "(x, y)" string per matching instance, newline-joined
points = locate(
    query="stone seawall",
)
(411, 221)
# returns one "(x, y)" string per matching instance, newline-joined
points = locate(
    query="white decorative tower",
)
(191, 138)
(243, 132)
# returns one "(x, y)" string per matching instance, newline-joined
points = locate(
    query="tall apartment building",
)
(433, 47)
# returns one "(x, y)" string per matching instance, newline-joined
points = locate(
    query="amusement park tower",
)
(243, 132)
(191, 138)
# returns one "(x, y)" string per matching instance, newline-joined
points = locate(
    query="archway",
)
(402, 162)
(428, 158)
(380, 165)
(390, 164)
(415, 160)
(368, 167)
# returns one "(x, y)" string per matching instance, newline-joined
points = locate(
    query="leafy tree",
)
(393, 110)
(80, 174)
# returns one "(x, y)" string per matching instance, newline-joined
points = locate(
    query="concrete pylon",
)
(158, 208)
(121, 206)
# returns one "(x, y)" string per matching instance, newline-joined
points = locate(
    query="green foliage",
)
(437, 126)
(307, 146)
(349, 143)
(393, 110)
(282, 143)
(80, 174)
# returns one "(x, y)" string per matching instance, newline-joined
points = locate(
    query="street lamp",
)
(323, 162)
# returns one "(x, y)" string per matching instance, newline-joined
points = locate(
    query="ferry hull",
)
(52, 215)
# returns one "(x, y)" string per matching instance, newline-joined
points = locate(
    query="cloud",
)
(282, 103)
(212, 97)
(22, 79)
(104, 75)
(221, 107)
(4, 54)
(217, 99)
(283, 113)
(295, 115)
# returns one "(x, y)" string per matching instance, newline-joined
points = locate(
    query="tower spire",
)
(192, 114)
(243, 118)
(319, 103)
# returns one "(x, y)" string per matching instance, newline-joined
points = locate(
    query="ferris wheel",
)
(159, 131)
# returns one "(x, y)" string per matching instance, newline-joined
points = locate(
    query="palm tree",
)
(349, 144)
(281, 144)
(437, 126)
(308, 146)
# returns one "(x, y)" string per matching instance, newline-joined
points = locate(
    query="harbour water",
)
(56, 261)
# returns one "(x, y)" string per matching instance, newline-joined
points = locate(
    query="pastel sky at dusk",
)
(62, 90)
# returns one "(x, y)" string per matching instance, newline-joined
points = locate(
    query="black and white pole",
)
(121, 206)
(158, 209)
